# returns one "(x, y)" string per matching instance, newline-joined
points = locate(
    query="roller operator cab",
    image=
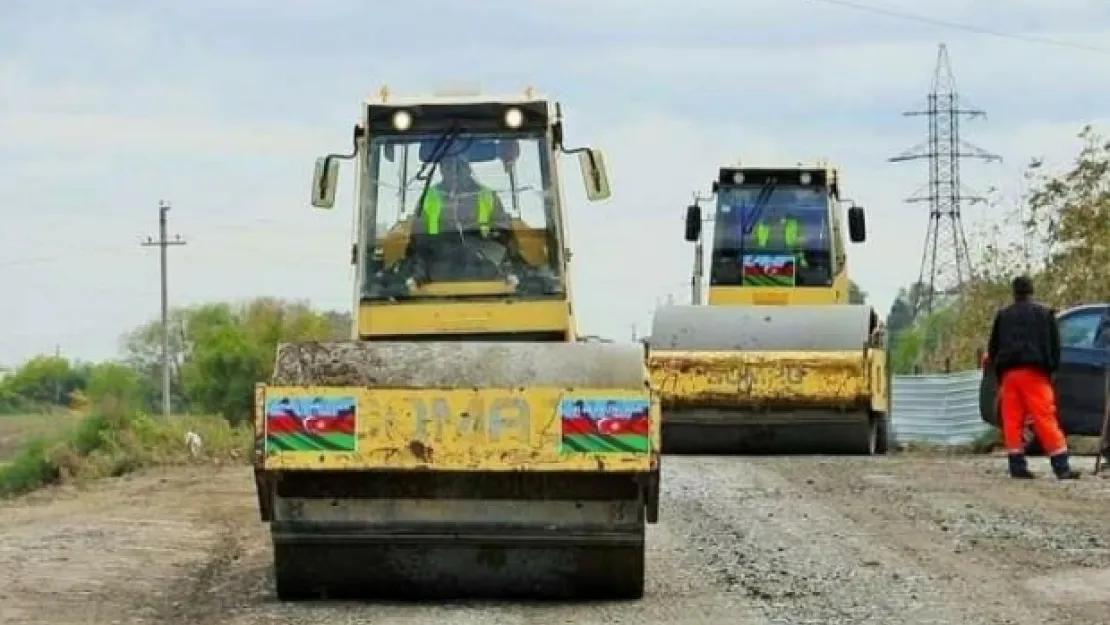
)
(779, 360)
(463, 443)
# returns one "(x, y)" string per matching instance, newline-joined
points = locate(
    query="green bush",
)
(30, 470)
(109, 445)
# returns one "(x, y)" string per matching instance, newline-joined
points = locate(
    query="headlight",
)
(738, 178)
(805, 178)
(402, 120)
(514, 118)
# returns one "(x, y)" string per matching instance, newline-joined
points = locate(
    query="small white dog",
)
(193, 442)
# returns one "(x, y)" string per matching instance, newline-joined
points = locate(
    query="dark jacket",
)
(1024, 334)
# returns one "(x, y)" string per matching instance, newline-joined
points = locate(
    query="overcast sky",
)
(220, 107)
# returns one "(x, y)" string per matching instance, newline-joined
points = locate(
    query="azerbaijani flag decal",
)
(605, 425)
(306, 423)
(769, 270)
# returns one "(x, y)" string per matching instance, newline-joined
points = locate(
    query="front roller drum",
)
(352, 571)
(733, 422)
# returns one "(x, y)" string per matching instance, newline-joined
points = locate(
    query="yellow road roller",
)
(464, 442)
(778, 360)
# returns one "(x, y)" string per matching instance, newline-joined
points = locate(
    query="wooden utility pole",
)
(164, 242)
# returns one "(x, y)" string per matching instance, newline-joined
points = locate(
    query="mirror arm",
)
(557, 136)
(358, 133)
(595, 173)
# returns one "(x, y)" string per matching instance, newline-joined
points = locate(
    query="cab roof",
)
(386, 97)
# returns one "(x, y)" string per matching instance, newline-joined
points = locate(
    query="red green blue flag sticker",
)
(605, 425)
(769, 270)
(306, 423)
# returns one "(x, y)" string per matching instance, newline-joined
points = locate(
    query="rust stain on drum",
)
(422, 452)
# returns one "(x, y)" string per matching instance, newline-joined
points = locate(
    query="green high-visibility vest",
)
(433, 210)
(790, 228)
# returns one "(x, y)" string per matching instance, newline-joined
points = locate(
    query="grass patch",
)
(15, 430)
(109, 445)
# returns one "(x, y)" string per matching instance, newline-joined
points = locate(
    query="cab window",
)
(778, 236)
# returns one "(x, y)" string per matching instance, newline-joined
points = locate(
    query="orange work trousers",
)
(1029, 391)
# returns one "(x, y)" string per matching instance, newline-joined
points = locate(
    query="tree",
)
(221, 375)
(142, 351)
(45, 380)
(1069, 214)
(900, 315)
(1058, 233)
(904, 343)
(218, 351)
(340, 324)
(114, 387)
(230, 349)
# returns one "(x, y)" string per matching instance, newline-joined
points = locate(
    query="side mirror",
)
(693, 223)
(324, 181)
(857, 225)
(594, 174)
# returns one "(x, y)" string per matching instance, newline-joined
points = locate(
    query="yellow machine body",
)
(777, 359)
(464, 442)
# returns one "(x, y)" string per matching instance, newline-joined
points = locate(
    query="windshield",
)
(772, 236)
(454, 208)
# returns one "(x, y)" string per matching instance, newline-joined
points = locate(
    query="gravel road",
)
(746, 541)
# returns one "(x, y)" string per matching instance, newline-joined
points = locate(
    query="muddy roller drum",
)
(769, 379)
(497, 507)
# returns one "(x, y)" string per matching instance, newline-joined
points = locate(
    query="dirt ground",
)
(745, 541)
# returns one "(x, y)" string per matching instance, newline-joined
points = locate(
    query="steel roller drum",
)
(761, 328)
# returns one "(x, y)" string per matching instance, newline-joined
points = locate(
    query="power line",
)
(982, 30)
(164, 244)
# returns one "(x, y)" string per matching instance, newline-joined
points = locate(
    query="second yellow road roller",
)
(777, 360)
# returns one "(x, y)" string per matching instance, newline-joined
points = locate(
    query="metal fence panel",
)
(940, 409)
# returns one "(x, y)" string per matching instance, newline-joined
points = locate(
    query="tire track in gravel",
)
(768, 534)
(679, 592)
(1044, 540)
(741, 541)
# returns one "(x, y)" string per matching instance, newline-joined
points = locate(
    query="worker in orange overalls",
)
(1025, 350)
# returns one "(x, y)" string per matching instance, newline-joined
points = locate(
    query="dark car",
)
(1080, 381)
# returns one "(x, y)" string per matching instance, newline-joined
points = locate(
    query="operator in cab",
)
(781, 230)
(461, 226)
(460, 204)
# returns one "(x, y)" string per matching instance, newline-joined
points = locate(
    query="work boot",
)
(1019, 469)
(1062, 468)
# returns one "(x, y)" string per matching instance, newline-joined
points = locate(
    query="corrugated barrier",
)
(940, 409)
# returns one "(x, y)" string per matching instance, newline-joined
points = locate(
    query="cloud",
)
(221, 108)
